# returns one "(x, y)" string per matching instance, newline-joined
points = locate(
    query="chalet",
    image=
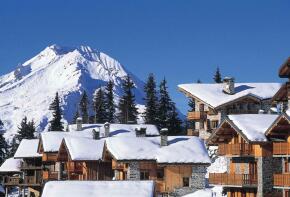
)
(10, 173)
(214, 101)
(82, 159)
(99, 189)
(31, 166)
(176, 164)
(251, 143)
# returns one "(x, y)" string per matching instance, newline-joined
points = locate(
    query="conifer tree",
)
(13, 147)
(56, 124)
(198, 81)
(84, 103)
(151, 101)
(76, 116)
(99, 106)
(109, 102)
(164, 105)
(217, 76)
(3, 144)
(127, 107)
(26, 130)
(174, 123)
(191, 104)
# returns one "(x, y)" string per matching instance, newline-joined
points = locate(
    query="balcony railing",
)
(34, 165)
(192, 132)
(243, 180)
(236, 149)
(282, 180)
(12, 180)
(32, 180)
(49, 175)
(160, 186)
(74, 167)
(196, 115)
(281, 148)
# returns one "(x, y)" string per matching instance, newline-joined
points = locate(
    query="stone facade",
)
(265, 176)
(133, 171)
(198, 177)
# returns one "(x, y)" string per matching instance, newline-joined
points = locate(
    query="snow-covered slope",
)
(30, 89)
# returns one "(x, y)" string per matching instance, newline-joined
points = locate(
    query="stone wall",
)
(265, 175)
(198, 177)
(133, 171)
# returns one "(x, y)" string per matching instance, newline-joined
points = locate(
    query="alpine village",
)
(234, 142)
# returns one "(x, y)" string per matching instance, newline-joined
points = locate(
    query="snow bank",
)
(27, 149)
(180, 149)
(98, 189)
(11, 165)
(213, 93)
(254, 126)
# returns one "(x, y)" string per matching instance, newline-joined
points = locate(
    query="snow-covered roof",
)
(180, 149)
(11, 165)
(27, 149)
(81, 149)
(213, 94)
(118, 129)
(98, 189)
(253, 126)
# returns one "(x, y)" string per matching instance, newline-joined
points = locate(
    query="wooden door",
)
(253, 171)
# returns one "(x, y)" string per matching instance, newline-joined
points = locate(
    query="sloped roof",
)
(213, 94)
(83, 149)
(180, 149)
(98, 189)
(11, 165)
(27, 149)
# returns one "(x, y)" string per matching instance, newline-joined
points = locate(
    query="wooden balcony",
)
(192, 132)
(240, 180)
(49, 175)
(282, 180)
(30, 166)
(32, 181)
(281, 148)
(49, 157)
(160, 186)
(117, 165)
(75, 167)
(236, 149)
(196, 115)
(11, 180)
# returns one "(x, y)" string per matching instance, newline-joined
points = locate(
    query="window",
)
(201, 125)
(144, 175)
(160, 173)
(185, 181)
(214, 124)
(201, 107)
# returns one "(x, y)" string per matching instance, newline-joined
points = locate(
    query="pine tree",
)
(198, 81)
(164, 105)
(174, 123)
(3, 144)
(76, 116)
(109, 102)
(56, 124)
(217, 76)
(13, 147)
(30, 130)
(127, 107)
(151, 100)
(99, 107)
(26, 130)
(84, 103)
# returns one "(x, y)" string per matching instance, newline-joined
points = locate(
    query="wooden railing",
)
(49, 175)
(12, 180)
(281, 148)
(74, 167)
(282, 180)
(34, 165)
(46, 157)
(236, 149)
(232, 179)
(196, 115)
(192, 132)
(32, 180)
(160, 186)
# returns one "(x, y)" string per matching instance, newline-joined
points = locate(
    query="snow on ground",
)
(98, 189)
(11, 165)
(254, 126)
(213, 93)
(27, 149)
(180, 149)
(213, 192)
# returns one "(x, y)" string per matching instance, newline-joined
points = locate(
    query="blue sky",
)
(181, 40)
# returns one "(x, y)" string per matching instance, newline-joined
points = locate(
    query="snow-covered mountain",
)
(31, 87)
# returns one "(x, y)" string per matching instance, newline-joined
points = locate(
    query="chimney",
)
(107, 129)
(96, 134)
(164, 137)
(79, 122)
(140, 131)
(229, 85)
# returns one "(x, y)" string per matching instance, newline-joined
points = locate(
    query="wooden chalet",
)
(252, 145)
(143, 158)
(31, 166)
(214, 101)
(81, 159)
